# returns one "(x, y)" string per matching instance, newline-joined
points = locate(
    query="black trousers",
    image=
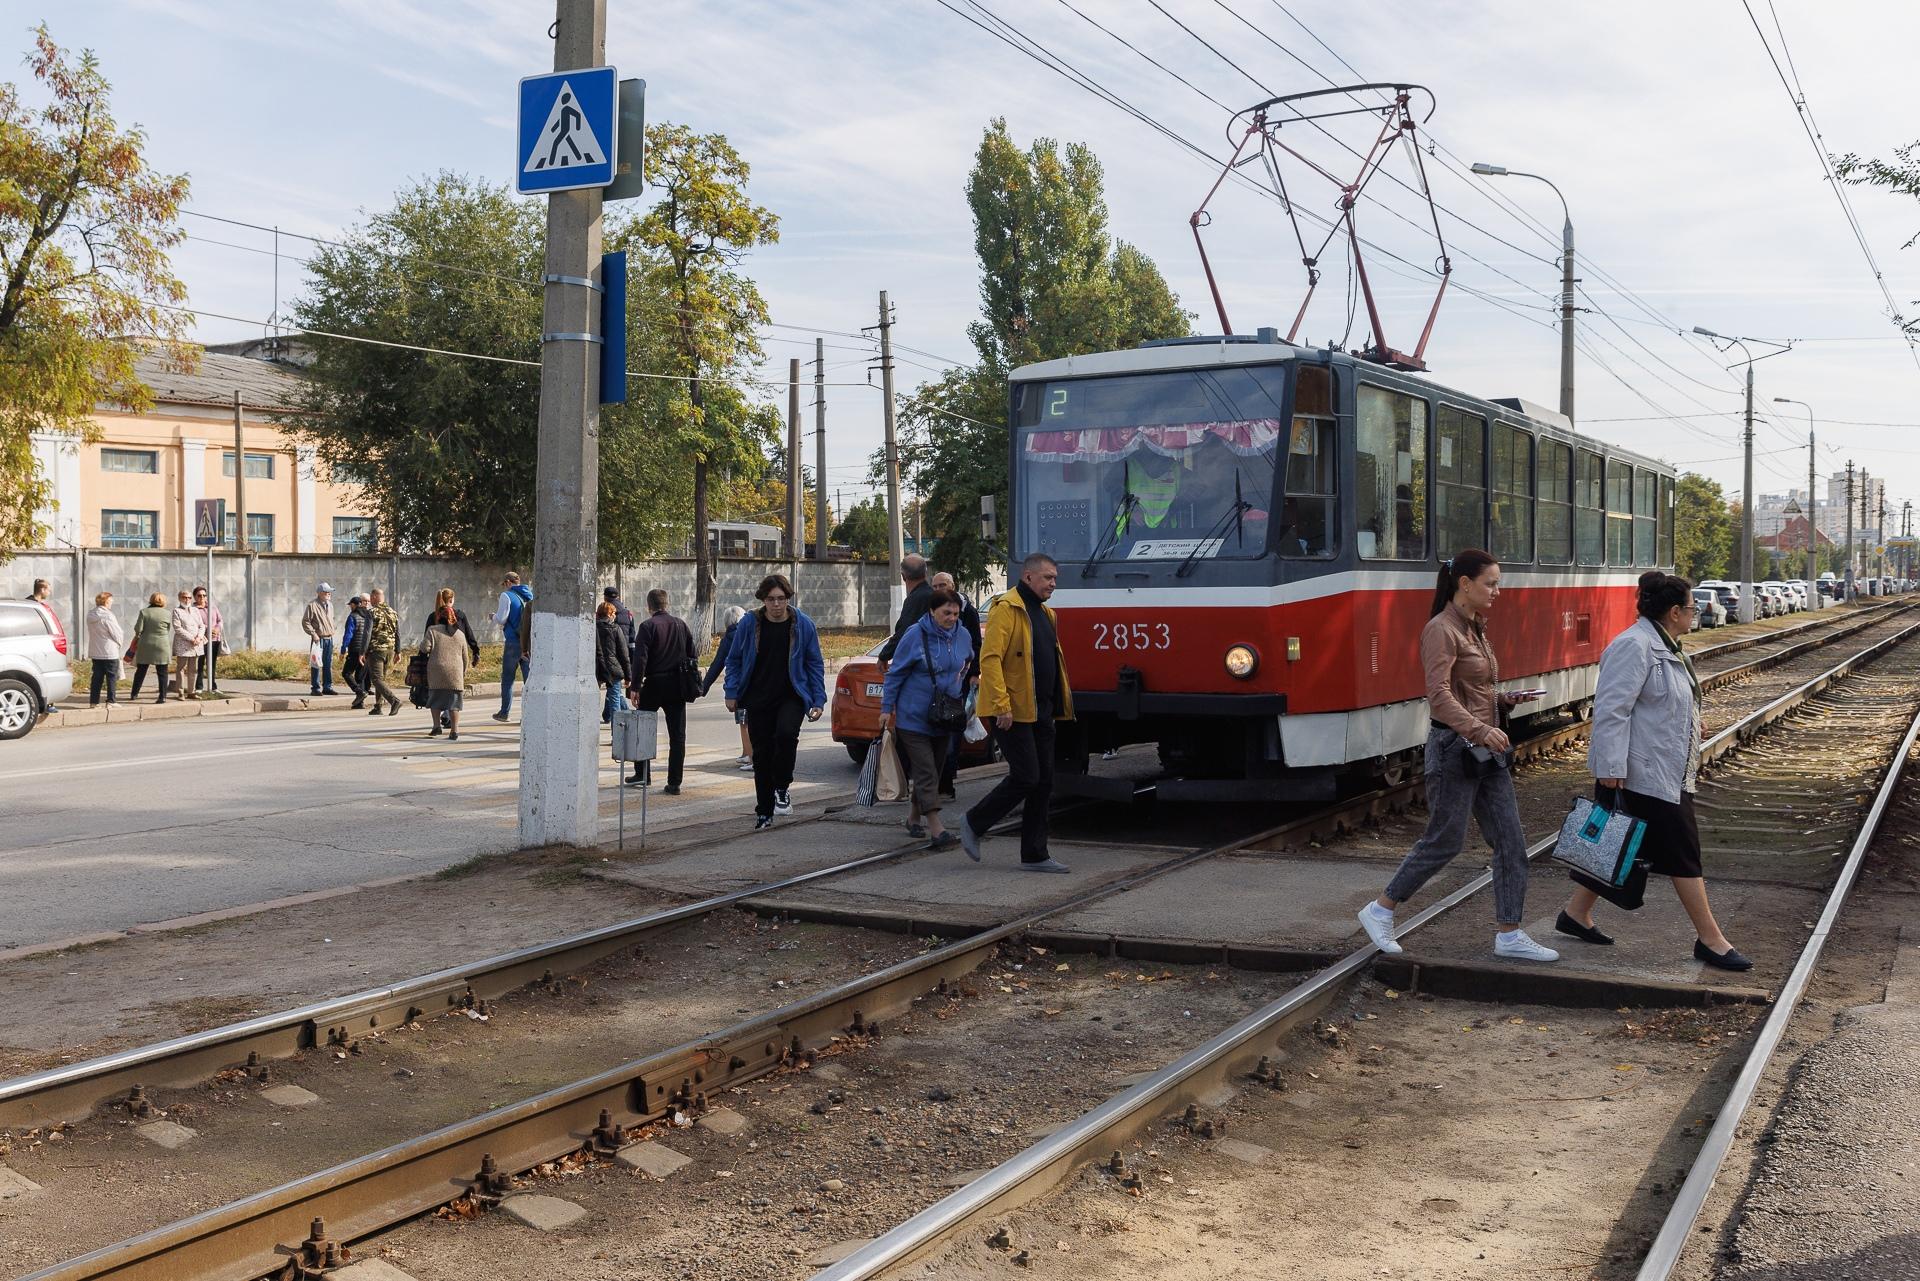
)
(208, 679)
(1028, 749)
(674, 717)
(140, 674)
(106, 675)
(774, 731)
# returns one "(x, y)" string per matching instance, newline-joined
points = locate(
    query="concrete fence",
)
(261, 596)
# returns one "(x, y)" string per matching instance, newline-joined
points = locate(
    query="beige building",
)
(136, 485)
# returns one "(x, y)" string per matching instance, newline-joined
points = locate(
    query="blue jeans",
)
(322, 675)
(616, 700)
(510, 663)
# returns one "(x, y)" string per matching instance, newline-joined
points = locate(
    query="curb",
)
(126, 711)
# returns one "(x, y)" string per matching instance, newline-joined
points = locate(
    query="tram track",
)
(1835, 726)
(361, 1196)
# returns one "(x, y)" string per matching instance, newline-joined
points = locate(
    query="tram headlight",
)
(1241, 661)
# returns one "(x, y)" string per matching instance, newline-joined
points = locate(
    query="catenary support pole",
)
(794, 544)
(1747, 602)
(820, 451)
(240, 540)
(1849, 586)
(559, 781)
(1813, 532)
(1566, 315)
(896, 538)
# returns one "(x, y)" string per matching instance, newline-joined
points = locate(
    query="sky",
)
(1696, 196)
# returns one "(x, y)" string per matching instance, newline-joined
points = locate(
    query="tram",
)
(1248, 533)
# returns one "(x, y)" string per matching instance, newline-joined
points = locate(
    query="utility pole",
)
(1813, 504)
(1566, 279)
(1747, 602)
(1849, 586)
(796, 526)
(820, 450)
(1880, 530)
(559, 767)
(896, 538)
(240, 543)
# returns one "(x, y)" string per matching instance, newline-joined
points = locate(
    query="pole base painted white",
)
(560, 737)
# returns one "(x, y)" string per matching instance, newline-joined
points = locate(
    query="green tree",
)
(1901, 175)
(443, 446)
(698, 233)
(1704, 534)
(864, 529)
(1053, 282)
(85, 226)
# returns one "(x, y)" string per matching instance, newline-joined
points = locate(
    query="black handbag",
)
(945, 714)
(1479, 762)
(691, 685)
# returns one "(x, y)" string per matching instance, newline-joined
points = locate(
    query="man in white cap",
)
(317, 623)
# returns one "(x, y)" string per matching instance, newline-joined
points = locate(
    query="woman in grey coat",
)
(1645, 755)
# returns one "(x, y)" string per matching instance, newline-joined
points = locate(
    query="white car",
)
(1789, 599)
(33, 665)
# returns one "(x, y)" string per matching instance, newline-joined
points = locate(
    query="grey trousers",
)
(1451, 798)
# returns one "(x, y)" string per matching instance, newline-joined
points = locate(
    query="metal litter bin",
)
(636, 737)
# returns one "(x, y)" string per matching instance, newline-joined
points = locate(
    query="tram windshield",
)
(1160, 466)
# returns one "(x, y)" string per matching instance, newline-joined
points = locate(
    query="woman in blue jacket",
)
(932, 655)
(775, 672)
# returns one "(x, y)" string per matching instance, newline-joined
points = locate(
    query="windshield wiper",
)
(1122, 513)
(1234, 513)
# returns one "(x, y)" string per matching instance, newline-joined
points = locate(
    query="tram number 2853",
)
(1132, 636)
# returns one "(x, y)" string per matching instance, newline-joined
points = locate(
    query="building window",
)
(1589, 522)
(146, 462)
(1619, 513)
(259, 528)
(1460, 475)
(1666, 520)
(259, 466)
(129, 528)
(1390, 475)
(1556, 510)
(1512, 494)
(346, 474)
(355, 534)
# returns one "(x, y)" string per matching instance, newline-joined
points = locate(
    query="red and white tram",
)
(1248, 533)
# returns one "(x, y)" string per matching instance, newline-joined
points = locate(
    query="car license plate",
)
(875, 689)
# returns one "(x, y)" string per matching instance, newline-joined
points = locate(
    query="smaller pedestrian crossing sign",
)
(568, 130)
(209, 521)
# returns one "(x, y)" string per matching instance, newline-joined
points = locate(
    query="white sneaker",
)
(746, 764)
(1378, 923)
(1516, 946)
(782, 803)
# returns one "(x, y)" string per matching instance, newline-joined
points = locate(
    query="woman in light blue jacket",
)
(1645, 755)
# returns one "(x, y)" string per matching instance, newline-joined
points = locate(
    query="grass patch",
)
(465, 868)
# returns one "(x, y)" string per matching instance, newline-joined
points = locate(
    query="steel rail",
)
(1032, 1171)
(1781, 633)
(1671, 1240)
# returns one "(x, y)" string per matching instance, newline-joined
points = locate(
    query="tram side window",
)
(1306, 516)
(1619, 513)
(1512, 494)
(1646, 487)
(1666, 521)
(1459, 470)
(1556, 513)
(1589, 525)
(1390, 469)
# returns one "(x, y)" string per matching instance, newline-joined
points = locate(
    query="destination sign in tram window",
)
(1144, 467)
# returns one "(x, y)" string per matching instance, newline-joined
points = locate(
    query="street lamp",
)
(1566, 280)
(1812, 504)
(1746, 491)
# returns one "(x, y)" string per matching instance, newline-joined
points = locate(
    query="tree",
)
(1704, 535)
(85, 227)
(1901, 176)
(444, 447)
(864, 529)
(698, 233)
(1052, 283)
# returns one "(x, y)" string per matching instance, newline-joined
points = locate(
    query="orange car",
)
(856, 710)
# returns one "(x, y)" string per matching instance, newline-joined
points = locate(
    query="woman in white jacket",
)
(1645, 755)
(106, 641)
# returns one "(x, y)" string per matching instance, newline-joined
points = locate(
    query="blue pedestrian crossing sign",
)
(568, 128)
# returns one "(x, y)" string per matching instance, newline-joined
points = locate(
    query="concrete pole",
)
(1849, 578)
(240, 543)
(559, 779)
(1813, 538)
(796, 523)
(1566, 316)
(1747, 603)
(896, 538)
(820, 450)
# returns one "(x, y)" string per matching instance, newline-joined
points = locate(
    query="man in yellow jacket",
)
(1023, 691)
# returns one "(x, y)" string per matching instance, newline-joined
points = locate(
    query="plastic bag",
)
(864, 793)
(975, 731)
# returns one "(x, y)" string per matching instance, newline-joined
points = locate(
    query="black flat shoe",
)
(1585, 933)
(1727, 960)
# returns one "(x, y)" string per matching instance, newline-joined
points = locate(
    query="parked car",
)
(1789, 599)
(1707, 607)
(34, 675)
(1829, 585)
(856, 710)
(1729, 594)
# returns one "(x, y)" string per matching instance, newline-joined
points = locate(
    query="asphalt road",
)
(105, 827)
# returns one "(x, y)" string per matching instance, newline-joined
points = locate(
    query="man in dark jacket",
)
(356, 638)
(913, 573)
(622, 616)
(662, 650)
